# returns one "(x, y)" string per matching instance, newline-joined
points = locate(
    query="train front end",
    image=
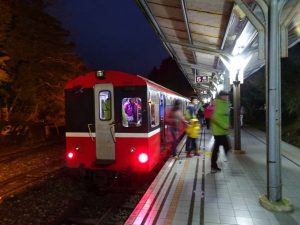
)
(107, 124)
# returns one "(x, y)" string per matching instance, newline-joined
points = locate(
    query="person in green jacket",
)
(220, 128)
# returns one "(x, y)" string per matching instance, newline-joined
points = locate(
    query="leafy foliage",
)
(254, 92)
(41, 61)
(169, 75)
(290, 74)
(4, 76)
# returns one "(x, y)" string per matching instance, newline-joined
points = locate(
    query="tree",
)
(6, 16)
(253, 96)
(169, 75)
(290, 74)
(41, 61)
(253, 90)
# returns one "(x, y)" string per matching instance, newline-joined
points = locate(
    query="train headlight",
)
(70, 155)
(143, 158)
(77, 148)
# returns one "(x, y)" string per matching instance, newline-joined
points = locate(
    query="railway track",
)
(114, 204)
(22, 168)
(112, 213)
(22, 181)
(23, 152)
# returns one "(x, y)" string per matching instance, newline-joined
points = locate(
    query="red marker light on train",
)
(143, 158)
(70, 155)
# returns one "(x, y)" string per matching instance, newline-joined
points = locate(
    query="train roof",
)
(88, 80)
(117, 78)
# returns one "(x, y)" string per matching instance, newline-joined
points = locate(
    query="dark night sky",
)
(111, 34)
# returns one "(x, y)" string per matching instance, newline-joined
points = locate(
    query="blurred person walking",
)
(175, 120)
(220, 128)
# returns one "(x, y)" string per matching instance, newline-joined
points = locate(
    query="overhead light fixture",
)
(239, 12)
(236, 67)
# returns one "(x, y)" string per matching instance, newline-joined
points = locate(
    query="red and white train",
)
(116, 121)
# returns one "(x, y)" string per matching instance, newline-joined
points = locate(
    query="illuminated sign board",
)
(201, 79)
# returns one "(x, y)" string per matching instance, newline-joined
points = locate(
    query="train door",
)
(162, 107)
(104, 118)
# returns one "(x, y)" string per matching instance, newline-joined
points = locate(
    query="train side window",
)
(154, 102)
(131, 112)
(105, 105)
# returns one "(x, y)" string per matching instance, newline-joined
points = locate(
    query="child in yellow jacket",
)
(192, 132)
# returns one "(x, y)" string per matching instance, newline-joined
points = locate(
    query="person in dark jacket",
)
(208, 112)
(200, 113)
(220, 128)
(191, 111)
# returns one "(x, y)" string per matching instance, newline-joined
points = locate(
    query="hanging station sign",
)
(201, 79)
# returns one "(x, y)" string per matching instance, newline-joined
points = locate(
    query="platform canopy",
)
(200, 35)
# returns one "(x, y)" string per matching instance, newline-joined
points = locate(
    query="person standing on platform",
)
(192, 132)
(200, 113)
(242, 112)
(175, 119)
(220, 128)
(190, 111)
(208, 112)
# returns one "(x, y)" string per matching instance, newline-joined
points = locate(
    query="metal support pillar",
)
(274, 116)
(226, 82)
(273, 200)
(236, 117)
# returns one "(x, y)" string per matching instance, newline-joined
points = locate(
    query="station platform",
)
(186, 192)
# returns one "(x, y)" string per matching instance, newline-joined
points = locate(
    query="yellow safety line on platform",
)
(207, 153)
(172, 208)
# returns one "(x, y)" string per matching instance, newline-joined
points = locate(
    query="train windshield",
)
(132, 112)
(105, 105)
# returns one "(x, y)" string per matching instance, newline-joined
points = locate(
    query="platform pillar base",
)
(238, 152)
(285, 205)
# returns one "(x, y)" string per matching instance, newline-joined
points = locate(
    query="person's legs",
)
(202, 121)
(174, 141)
(193, 145)
(188, 146)
(207, 123)
(215, 153)
(225, 143)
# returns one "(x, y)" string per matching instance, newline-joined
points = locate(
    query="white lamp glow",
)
(236, 67)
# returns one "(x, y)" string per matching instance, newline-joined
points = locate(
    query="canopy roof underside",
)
(197, 33)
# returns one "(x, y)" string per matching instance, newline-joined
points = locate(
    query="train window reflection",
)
(132, 112)
(105, 105)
